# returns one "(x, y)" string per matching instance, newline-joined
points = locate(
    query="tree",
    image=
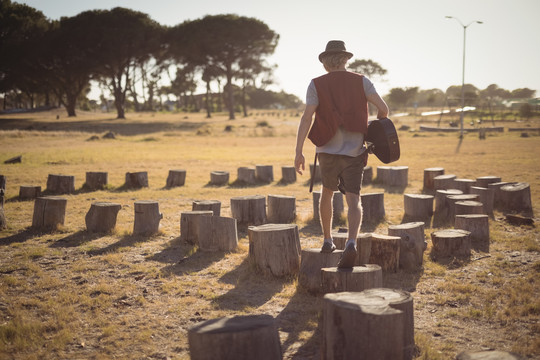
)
(367, 67)
(524, 93)
(470, 93)
(400, 97)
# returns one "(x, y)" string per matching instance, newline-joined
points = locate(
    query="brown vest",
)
(342, 102)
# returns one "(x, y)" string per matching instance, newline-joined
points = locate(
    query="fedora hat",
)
(335, 47)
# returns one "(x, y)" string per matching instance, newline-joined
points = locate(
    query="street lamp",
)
(463, 73)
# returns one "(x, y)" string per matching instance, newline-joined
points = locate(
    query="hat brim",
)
(321, 55)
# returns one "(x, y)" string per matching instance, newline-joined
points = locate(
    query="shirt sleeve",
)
(311, 96)
(369, 88)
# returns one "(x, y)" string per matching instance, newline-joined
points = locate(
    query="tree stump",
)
(188, 225)
(28, 192)
(516, 198)
(478, 226)
(216, 233)
(429, 175)
(367, 177)
(355, 326)
(147, 217)
(412, 244)
(463, 185)
(275, 248)
(136, 180)
(337, 206)
(249, 210)
(486, 197)
(385, 252)
(281, 209)
(402, 301)
(382, 174)
(246, 175)
(101, 217)
(450, 243)
(49, 212)
(442, 206)
(14, 160)
(60, 184)
(235, 338)
(469, 207)
(444, 182)
(288, 174)
(176, 178)
(96, 180)
(219, 178)
(357, 278)
(484, 181)
(488, 355)
(398, 176)
(372, 208)
(317, 178)
(212, 205)
(363, 245)
(312, 261)
(453, 199)
(497, 203)
(264, 173)
(418, 207)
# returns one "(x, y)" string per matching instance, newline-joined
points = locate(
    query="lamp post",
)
(463, 73)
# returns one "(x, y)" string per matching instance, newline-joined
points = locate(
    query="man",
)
(339, 101)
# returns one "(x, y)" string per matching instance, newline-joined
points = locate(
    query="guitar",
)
(382, 140)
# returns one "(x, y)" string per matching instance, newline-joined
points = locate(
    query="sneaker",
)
(328, 247)
(348, 257)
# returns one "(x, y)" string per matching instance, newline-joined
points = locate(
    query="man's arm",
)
(376, 100)
(303, 130)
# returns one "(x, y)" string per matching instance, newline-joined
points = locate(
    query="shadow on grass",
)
(76, 239)
(125, 241)
(20, 237)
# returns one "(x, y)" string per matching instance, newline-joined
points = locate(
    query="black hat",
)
(335, 47)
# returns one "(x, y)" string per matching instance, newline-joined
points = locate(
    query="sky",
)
(411, 39)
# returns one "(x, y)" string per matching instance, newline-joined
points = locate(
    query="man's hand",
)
(299, 163)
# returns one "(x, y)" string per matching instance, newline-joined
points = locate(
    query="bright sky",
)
(410, 38)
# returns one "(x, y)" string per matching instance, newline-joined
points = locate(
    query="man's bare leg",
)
(325, 212)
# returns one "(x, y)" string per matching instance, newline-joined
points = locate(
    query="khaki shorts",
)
(342, 170)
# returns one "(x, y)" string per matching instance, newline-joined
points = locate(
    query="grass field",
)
(71, 294)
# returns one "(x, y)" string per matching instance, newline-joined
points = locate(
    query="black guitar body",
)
(382, 140)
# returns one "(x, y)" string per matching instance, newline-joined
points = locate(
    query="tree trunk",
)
(249, 210)
(385, 251)
(96, 180)
(205, 205)
(478, 226)
(429, 175)
(147, 217)
(49, 212)
(60, 184)
(450, 243)
(312, 261)
(281, 209)
(357, 278)
(288, 174)
(230, 93)
(412, 244)
(219, 178)
(216, 233)
(101, 217)
(188, 225)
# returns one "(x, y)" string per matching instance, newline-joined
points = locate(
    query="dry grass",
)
(70, 294)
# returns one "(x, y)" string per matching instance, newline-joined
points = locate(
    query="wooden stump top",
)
(272, 227)
(356, 301)
(406, 226)
(450, 233)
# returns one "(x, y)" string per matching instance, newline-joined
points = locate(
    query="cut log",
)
(402, 301)
(478, 226)
(96, 180)
(312, 261)
(367, 176)
(372, 209)
(450, 243)
(14, 160)
(441, 201)
(60, 184)
(219, 178)
(246, 175)
(216, 233)
(235, 338)
(468, 207)
(418, 207)
(484, 181)
(398, 176)
(101, 217)
(363, 245)
(497, 203)
(516, 198)
(453, 199)
(519, 220)
(136, 180)
(249, 210)
(486, 197)
(288, 174)
(357, 278)
(385, 252)
(281, 209)
(275, 248)
(463, 185)
(28, 192)
(337, 206)
(429, 176)
(488, 355)
(356, 326)
(382, 174)
(444, 182)
(147, 217)
(264, 173)
(188, 225)
(49, 212)
(176, 178)
(412, 244)
(212, 205)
